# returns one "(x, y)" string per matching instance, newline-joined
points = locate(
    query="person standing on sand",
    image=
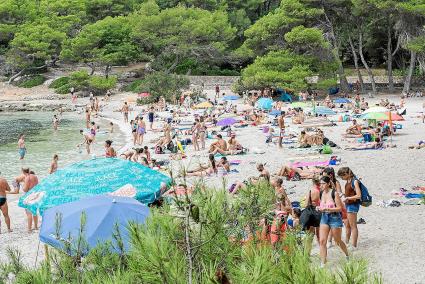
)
(54, 164)
(125, 110)
(4, 187)
(351, 199)
(151, 116)
(22, 150)
(331, 220)
(141, 130)
(30, 182)
(281, 124)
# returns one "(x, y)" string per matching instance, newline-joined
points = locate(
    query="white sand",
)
(393, 238)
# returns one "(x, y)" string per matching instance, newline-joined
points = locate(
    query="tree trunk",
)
(390, 55)
(107, 69)
(356, 64)
(23, 71)
(335, 52)
(408, 80)
(369, 72)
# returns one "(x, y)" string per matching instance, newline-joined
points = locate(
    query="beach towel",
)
(415, 195)
(360, 149)
(310, 164)
(235, 162)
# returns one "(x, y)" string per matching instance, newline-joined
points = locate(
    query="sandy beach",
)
(392, 240)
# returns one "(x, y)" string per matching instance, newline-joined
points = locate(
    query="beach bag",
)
(326, 149)
(158, 150)
(310, 217)
(365, 199)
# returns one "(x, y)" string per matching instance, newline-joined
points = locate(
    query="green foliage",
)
(279, 69)
(214, 242)
(31, 81)
(106, 42)
(161, 84)
(59, 82)
(99, 85)
(34, 44)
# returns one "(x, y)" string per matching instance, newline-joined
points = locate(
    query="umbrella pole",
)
(46, 254)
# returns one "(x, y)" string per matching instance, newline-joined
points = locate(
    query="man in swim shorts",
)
(22, 150)
(4, 187)
(30, 181)
(125, 109)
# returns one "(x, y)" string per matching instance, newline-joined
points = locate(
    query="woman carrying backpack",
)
(331, 221)
(352, 203)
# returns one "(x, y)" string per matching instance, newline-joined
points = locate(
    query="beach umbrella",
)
(376, 109)
(144, 95)
(231, 98)
(300, 104)
(265, 103)
(94, 177)
(203, 105)
(226, 122)
(104, 214)
(382, 116)
(321, 110)
(342, 101)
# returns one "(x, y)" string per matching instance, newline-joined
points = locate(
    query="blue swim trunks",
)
(22, 152)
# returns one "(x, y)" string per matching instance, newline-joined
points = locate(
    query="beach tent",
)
(94, 177)
(342, 101)
(284, 97)
(104, 214)
(333, 91)
(264, 103)
(203, 105)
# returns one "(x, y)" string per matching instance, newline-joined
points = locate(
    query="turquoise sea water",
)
(43, 142)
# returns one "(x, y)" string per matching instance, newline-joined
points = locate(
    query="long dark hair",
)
(212, 160)
(330, 172)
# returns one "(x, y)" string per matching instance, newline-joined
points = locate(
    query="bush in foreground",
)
(206, 238)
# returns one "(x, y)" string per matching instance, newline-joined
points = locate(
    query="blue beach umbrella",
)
(104, 214)
(93, 177)
(265, 103)
(342, 101)
(321, 110)
(231, 98)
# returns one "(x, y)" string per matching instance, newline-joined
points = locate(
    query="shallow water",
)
(43, 142)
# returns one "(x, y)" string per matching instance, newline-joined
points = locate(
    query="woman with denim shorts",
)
(352, 203)
(331, 221)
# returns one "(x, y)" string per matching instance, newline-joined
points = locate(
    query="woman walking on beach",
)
(330, 172)
(22, 150)
(331, 220)
(351, 199)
